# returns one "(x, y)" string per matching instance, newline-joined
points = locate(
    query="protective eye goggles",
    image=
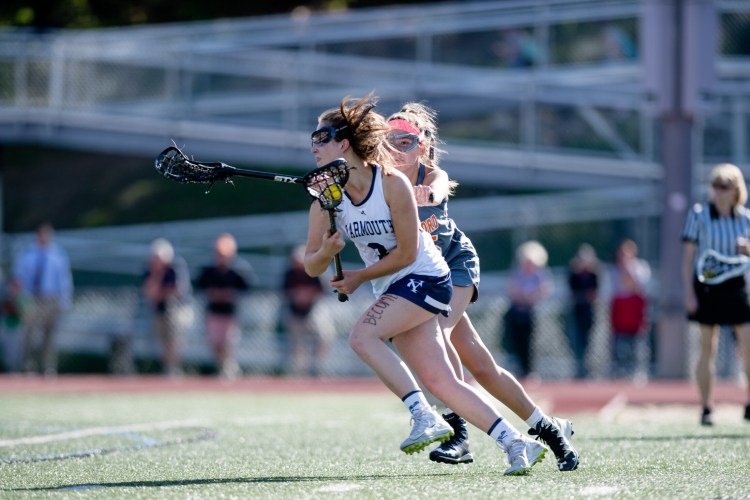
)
(324, 134)
(403, 142)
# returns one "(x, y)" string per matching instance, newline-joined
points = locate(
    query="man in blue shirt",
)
(42, 271)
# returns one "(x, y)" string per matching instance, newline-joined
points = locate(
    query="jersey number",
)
(382, 252)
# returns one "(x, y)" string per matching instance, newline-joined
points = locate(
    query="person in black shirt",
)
(583, 281)
(163, 289)
(302, 292)
(222, 283)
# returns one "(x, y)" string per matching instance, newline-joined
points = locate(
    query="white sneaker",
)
(566, 426)
(535, 452)
(556, 433)
(428, 427)
(523, 454)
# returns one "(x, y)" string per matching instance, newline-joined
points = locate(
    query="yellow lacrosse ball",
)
(333, 192)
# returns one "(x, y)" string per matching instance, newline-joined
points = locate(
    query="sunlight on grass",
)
(319, 445)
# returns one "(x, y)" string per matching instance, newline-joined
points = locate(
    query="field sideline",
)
(200, 437)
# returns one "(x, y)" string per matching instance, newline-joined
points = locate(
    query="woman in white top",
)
(410, 280)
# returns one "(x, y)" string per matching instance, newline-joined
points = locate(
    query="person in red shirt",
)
(628, 311)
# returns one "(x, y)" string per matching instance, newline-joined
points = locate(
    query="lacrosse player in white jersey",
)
(410, 280)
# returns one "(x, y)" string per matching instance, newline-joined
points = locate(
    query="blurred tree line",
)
(50, 14)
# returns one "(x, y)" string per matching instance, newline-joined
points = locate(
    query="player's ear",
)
(343, 145)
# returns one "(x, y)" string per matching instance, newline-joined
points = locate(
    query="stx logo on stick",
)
(284, 178)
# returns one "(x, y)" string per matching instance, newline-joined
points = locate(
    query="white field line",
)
(340, 488)
(605, 491)
(614, 407)
(98, 431)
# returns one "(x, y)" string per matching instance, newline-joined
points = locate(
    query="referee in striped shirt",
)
(721, 224)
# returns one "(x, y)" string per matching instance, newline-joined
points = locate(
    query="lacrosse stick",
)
(714, 268)
(325, 184)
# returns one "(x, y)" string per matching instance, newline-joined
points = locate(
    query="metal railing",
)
(124, 249)
(249, 90)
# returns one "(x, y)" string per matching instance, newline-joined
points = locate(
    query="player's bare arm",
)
(322, 246)
(434, 189)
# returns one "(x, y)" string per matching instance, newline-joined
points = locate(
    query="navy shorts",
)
(432, 293)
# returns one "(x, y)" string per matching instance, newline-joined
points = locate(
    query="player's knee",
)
(440, 386)
(483, 372)
(357, 342)
(481, 367)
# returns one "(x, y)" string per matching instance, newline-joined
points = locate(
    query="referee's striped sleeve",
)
(690, 229)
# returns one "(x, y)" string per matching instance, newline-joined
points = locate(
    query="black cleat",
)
(707, 417)
(550, 431)
(747, 412)
(456, 449)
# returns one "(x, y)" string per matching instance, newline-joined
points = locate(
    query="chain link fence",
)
(113, 326)
(529, 79)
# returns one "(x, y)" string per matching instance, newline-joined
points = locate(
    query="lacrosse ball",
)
(333, 192)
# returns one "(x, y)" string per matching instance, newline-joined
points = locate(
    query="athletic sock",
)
(535, 417)
(503, 433)
(415, 402)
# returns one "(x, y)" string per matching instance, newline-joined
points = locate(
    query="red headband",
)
(404, 125)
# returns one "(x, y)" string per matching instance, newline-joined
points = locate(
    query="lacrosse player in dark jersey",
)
(414, 138)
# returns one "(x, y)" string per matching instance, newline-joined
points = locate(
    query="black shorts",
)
(722, 304)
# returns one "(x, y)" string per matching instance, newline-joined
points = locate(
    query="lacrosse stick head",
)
(713, 267)
(326, 183)
(174, 165)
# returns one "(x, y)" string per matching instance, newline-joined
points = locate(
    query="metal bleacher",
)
(249, 90)
(574, 124)
(567, 135)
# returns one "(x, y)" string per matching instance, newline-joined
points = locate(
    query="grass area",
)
(241, 445)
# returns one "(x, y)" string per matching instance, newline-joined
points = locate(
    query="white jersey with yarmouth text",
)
(368, 225)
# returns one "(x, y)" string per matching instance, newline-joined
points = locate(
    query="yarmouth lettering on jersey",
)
(369, 227)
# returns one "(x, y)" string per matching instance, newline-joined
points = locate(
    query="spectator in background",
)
(222, 283)
(164, 284)
(517, 48)
(629, 311)
(583, 281)
(42, 273)
(301, 293)
(529, 284)
(617, 44)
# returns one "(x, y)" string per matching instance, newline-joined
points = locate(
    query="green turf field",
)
(240, 445)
